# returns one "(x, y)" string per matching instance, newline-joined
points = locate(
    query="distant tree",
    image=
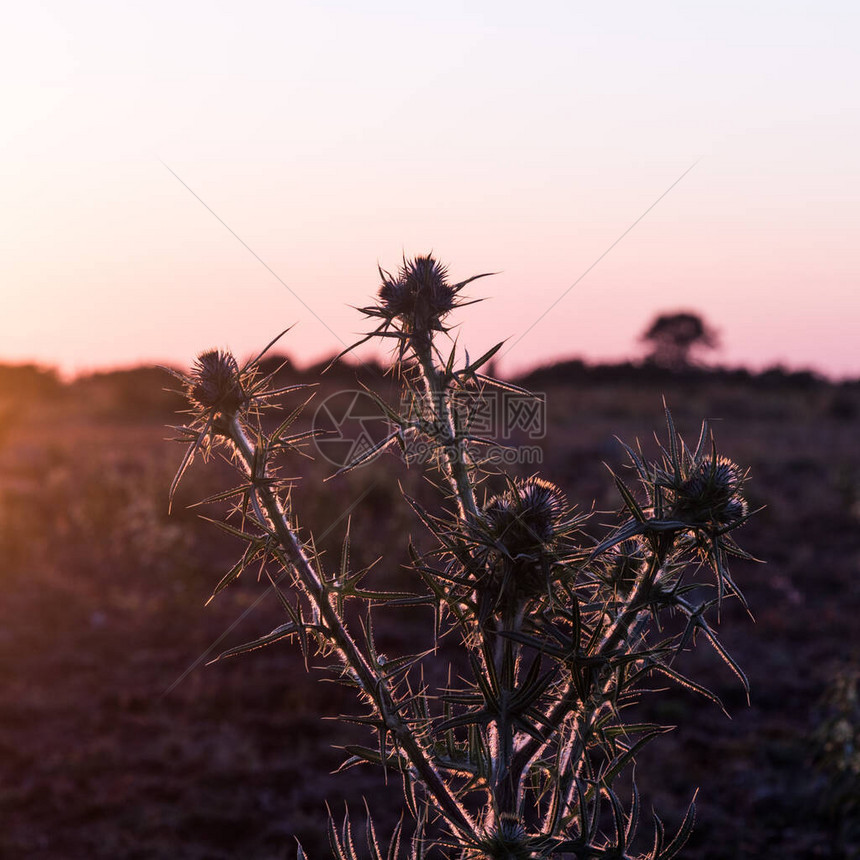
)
(673, 338)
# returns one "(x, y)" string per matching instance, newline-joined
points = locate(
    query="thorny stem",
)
(452, 446)
(501, 731)
(502, 734)
(503, 783)
(565, 784)
(618, 631)
(374, 685)
(582, 723)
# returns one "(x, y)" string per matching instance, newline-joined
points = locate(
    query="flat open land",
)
(116, 741)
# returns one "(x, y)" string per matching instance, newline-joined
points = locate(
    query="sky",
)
(177, 176)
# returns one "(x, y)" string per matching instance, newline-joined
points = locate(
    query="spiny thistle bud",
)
(419, 297)
(625, 563)
(215, 383)
(711, 494)
(526, 516)
(520, 528)
(508, 841)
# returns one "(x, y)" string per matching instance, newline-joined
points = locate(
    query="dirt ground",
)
(116, 741)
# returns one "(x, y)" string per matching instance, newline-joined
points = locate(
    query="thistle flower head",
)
(517, 538)
(215, 383)
(526, 516)
(413, 304)
(420, 296)
(711, 495)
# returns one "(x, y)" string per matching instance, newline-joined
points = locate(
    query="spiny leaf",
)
(618, 821)
(223, 496)
(629, 498)
(449, 364)
(350, 348)
(724, 578)
(188, 458)
(372, 841)
(252, 552)
(339, 851)
(659, 837)
(628, 756)
(295, 615)
(288, 389)
(628, 729)
(361, 754)
(633, 820)
(282, 632)
(628, 530)
(502, 385)
(232, 530)
(637, 461)
(704, 435)
(288, 421)
(727, 658)
(254, 361)
(459, 286)
(683, 834)
(673, 442)
(369, 454)
(394, 845)
(684, 681)
(391, 414)
(469, 370)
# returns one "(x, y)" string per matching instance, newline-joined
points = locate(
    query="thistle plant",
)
(555, 633)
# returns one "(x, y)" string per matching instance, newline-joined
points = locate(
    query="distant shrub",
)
(781, 377)
(26, 381)
(133, 393)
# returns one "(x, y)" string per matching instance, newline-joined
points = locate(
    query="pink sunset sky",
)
(329, 136)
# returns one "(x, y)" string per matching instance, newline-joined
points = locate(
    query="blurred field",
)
(111, 748)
